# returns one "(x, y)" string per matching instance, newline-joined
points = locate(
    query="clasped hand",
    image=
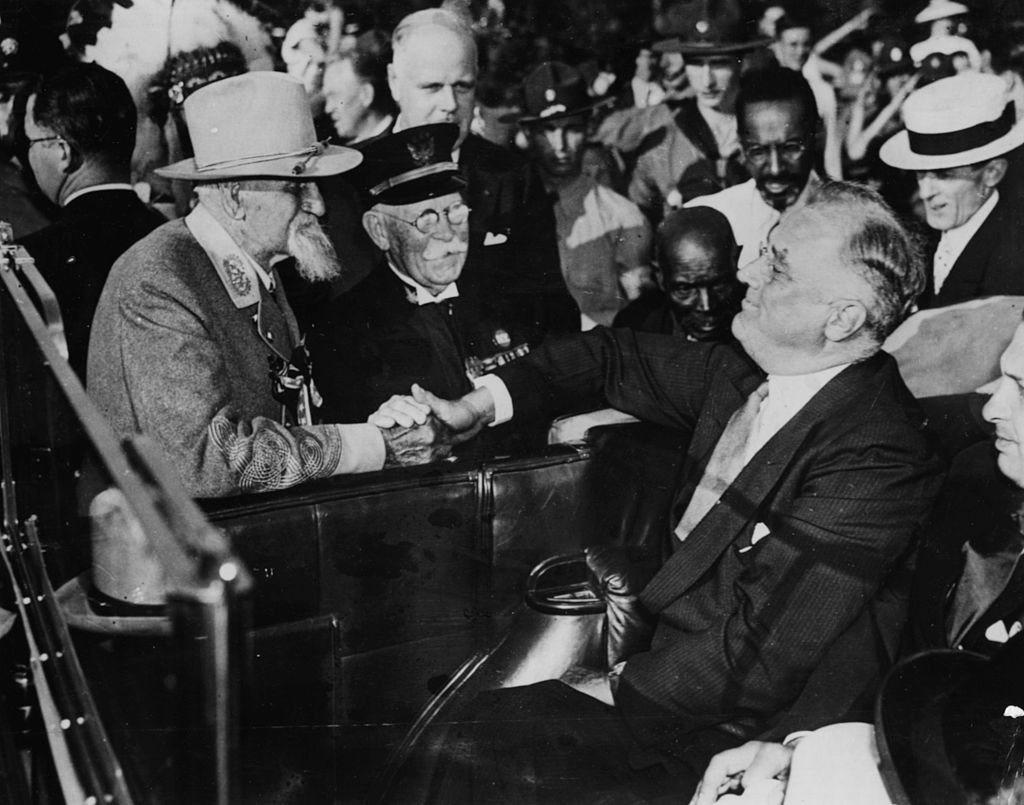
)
(423, 427)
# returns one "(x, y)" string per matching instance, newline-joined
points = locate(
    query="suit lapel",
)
(743, 502)
(968, 271)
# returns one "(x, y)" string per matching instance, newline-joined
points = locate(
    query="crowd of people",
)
(393, 247)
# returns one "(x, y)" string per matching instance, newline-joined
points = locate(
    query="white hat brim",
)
(334, 160)
(897, 153)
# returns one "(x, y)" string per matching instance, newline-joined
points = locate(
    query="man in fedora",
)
(958, 132)
(604, 241)
(411, 320)
(698, 153)
(194, 343)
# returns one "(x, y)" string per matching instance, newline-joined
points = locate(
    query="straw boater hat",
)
(940, 10)
(256, 125)
(554, 91)
(956, 121)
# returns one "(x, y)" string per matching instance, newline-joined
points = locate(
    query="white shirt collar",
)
(955, 240)
(236, 268)
(423, 296)
(787, 395)
(96, 188)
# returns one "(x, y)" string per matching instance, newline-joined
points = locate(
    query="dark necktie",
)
(725, 463)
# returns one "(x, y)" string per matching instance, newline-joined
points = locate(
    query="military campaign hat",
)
(410, 165)
(553, 91)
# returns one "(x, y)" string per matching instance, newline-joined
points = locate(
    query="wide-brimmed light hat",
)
(256, 125)
(940, 10)
(956, 121)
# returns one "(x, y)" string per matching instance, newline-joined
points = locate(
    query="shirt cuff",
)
(503, 409)
(362, 448)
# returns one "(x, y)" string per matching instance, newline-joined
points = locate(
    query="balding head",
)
(432, 75)
(697, 264)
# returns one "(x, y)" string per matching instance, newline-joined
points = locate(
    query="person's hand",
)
(742, 767)
(590, 681)
(464, 417)
(628, 626)
(418, 444)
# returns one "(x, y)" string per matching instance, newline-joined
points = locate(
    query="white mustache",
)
(439, 249)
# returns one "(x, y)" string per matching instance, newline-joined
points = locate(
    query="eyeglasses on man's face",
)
(428, 220)
(789, 151)
(33, 140)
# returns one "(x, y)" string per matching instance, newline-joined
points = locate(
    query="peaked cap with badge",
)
(410, 165)
(716, 31)
(256, 125)
(555, 91)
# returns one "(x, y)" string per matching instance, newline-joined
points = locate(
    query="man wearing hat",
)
(698, 153)
(411, 320)
(194, 343)
(604, 241)
(958, 131)
(80, 126)
(513, 250)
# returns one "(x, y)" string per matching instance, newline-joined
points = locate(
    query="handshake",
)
(420, 428)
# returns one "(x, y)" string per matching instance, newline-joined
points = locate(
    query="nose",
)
(925, 185)
(753, 273)
(703, 300)
(774, 164)
(706, 76)
(557, 137)
(446, 99)
(312, 201)
(444, 229)
(995, 408)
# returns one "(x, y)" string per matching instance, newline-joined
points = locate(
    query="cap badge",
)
(549, 94)
(9, 46)
(421, 148)
(702, 26)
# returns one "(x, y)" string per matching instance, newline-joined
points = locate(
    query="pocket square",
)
(759, 533)
(495, 238)
(998, 633)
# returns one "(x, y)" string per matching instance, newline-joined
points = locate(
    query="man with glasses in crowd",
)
(411, 320)
(80, 126)
(777, 120)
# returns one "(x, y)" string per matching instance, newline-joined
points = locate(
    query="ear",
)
(392, 80)
(366, 94)
(846, 318)
(376, 228)
(69, 160)
(231, 200)
(994, 171)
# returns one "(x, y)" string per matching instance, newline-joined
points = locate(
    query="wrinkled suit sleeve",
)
(190, 412)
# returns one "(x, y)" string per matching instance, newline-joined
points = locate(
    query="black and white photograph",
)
(512, 402)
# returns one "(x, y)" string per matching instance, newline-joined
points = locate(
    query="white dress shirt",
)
(955, 240)
(423, 295)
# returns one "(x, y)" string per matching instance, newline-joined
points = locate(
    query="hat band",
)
(305, 154)
(410, 176)
(955, 142)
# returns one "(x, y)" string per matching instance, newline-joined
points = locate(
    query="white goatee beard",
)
(315, 257)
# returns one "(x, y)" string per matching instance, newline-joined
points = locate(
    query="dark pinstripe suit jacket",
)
(795, 630)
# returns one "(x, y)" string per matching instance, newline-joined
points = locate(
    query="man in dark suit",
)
(411, 320)
(958, 133)
(80, 125)
(513, 247)
(783, 594)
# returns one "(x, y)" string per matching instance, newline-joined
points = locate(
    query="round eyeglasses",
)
(428, 220)
(789, 151)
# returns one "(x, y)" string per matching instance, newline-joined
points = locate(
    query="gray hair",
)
(452, 19)
(878, 248)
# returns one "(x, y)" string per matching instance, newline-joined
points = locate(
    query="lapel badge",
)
(237, 276)
(501, 339)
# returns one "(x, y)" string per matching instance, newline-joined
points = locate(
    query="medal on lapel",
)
(293, 384)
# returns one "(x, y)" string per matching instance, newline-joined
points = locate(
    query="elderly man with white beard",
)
(194, 343)
(412, 320)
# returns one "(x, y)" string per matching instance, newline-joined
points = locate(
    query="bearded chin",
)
(315, 257)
